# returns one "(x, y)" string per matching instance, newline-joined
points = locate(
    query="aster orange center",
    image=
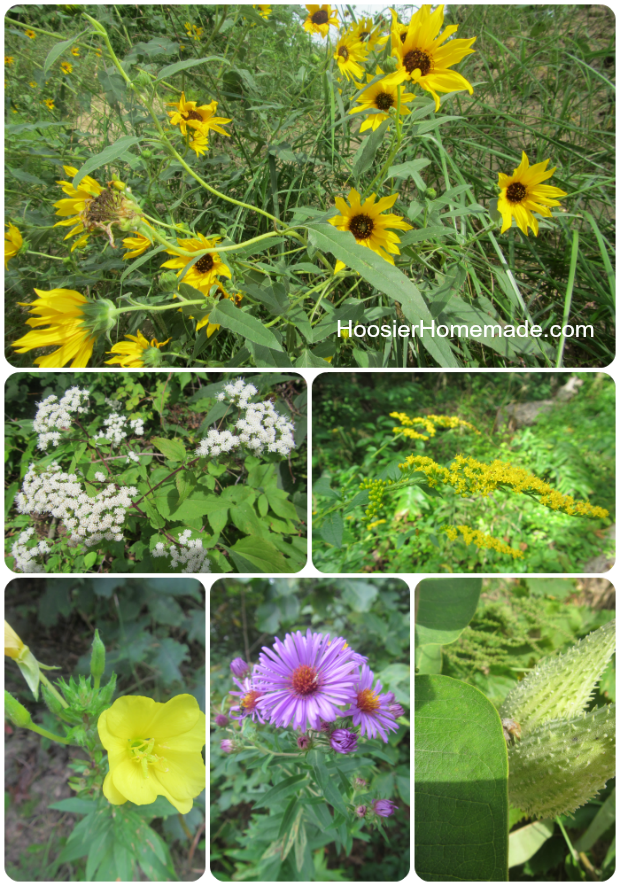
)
(248, 702)
(304, 680)
(368, 701)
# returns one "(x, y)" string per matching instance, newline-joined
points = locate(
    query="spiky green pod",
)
(562, 764)
(565, 755)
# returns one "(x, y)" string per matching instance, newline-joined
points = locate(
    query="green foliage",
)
(252, 527)
(571, 447)
(541, 83)
(272, 830)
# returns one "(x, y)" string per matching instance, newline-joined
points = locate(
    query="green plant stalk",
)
(378, 179)
(53, 690)
(568, 297)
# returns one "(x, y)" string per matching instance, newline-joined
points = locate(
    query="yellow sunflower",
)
(9, 59)
(381, 96)
(75, 51)
(64, 312)
(422, 59)
(349, 53)
(369, 34)
(193, 31)
(30, 34)
(67, 67)
(13, 242)
(97, 52)
(320, 18)
(133, 354)
(264, 9)
(92, 207)
(368, 225)
(522, 193)
(49, 102)
(33, 84)
(196, 117)
(202, 275)
(137, 245)
(199, 143)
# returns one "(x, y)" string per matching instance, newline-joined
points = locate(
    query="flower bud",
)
(303, 742)
(168, 282)
(384, 808)
(227, 746)
(430, 193)
(97, 658)
(361, 811)
(15, 711)
(221, 720)
(51, 700)
(239, 667)
(389, 64)
(359, 782)
(343, 741)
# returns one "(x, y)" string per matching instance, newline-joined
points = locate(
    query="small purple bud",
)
(227, 745)
(239, 667)
(303, 742)
(343, 741)
(384, 808)
(359, 782)
(361, 811)
(325, 727)
(395, 709)
(221, 720)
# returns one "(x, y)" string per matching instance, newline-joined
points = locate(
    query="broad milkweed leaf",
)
(388, 279)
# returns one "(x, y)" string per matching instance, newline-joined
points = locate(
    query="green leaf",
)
(387, 279)
(258, 556)
(174, 450)
(112, 152)
(169, 656)
(365, 155)
(445, 608)
(55, 52)
(331, 530)
(245, 518)
(280, 791)
(359, 594)
(90, 559)
(169, 70)
(231, 317)
(328, 785)
(409, 169)
(75, 804)
(185, 485)
(526, 841)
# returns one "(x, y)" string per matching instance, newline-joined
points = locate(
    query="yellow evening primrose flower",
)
(67, 67)
(369, 224)
(381, 96)
(202, 275)
(137, 245)
(196, 117)
(13, 242)
(8, 60)
(13, 645)
(132, 353)
(320, 18)
(75, 51)
(73, 325)
(422, 59)
(15, 648)
(153, 749)
(522, 193)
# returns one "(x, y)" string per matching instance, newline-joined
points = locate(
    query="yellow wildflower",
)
(13, 242)
(523, 193)
(481, 540)
(134, 353)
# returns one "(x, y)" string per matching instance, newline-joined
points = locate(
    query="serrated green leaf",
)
(174, 450)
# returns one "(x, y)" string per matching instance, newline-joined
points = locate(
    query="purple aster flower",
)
(227, 745)
(221, 720)
(303, 679)
(370, 709)
(303, 742)
(249, 698)
(361, 811)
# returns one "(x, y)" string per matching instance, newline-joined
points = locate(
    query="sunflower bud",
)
(168, 282)
(389, 64)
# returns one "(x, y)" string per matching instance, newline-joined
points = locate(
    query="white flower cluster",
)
(191, 555)
(262, 427)
(90, 520)
(132, 456)
(116, 425)
(55, 413)
(54, 416)
(25, 557)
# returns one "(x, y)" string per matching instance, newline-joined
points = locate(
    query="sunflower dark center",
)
(304, 680)
(368, 701)
(192, 115)
(417, 59)
(320, 17)
(364, 36)
(403, 36)
(516, 192)
(361, 226)
(343, 52)
(101, 208)
(384, 101)
(204, 264)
